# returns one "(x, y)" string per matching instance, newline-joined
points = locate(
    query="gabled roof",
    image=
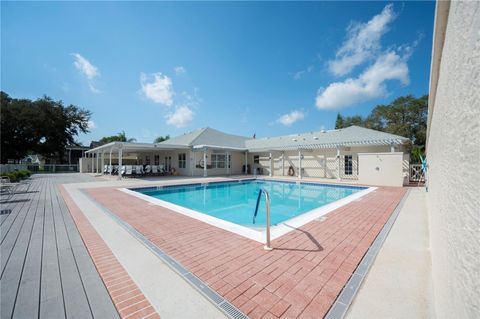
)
(208, 137)
(350, 136)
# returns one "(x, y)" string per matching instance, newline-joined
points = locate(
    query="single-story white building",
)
(357, 154)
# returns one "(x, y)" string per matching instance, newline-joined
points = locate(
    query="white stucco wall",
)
(323, 163)
(453, 154)
(381, 169)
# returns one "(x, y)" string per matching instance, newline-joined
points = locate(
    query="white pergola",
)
(125, 147)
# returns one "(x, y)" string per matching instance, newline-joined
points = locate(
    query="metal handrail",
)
(267, 203)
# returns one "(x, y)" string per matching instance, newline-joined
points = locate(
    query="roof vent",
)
(294, 139)
(315, 137)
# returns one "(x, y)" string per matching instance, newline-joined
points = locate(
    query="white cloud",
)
(157, 87)
(298, 75)
(370, 84)
(91, 125)
(290, 118)
(180, 70)
(85, 67)
(182, 116)
(362, 43)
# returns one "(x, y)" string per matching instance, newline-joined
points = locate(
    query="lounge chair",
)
(129, 170)
(155, 170)
(139, 170)
(7, 188)
(161, 170)
(148, 169)
(123, 170)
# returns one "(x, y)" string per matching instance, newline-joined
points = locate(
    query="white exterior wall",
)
(453, 153)
(381, 169)
(321, 163)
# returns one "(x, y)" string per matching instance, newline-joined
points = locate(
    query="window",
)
(168, 163)
(218, 160)
(348, 165)
(256, 159)
(182, 160)
(157, 159)
(147, 160)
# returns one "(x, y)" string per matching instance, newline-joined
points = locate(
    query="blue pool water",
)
(235, 201)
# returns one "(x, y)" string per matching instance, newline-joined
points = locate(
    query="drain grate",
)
(5, 211)
(232, 311)
(225, 306)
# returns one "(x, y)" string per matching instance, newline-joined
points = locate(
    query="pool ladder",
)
(267, 204)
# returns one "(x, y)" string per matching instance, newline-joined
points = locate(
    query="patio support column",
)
(392, 148)
(300, 164)
(205, 162)
(97, 160)
(194, 162)
(103, 161)
(283, 163)
(190, 161)
(271, 166)
(110, 162)
(120, 155)
(338, 162)
(228, 163)
(93, 163)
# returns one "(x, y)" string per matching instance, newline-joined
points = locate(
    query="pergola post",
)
(300, 164)
(93, 163)
(392, 148)
(194, 162)
(246, 162)
(271, 166)
(205, 162)
(103, 161)
(338, 166)
(283, 163)
(110, 162)
(120, 155)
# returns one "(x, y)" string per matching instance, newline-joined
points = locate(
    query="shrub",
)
(16, 176)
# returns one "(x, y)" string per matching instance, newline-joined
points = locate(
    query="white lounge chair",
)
(161, 169)
(7, 188)
(129, 170)
(123, 170)
(148, 169)
(155, 170)
(105, 169)
(139, 170)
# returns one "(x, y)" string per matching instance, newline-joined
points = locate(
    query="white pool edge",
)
(259, 236)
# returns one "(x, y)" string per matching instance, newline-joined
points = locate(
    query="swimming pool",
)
(235, 201)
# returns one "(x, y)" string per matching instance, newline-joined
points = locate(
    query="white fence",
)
(416, 173)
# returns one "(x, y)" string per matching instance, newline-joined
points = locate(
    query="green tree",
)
(161, 139)
(339, 123)
(120, 137)
(405, 116)
(43, 126)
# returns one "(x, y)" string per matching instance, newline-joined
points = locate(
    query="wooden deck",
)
(46, 271)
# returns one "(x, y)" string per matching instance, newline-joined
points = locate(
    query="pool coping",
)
(276, 231)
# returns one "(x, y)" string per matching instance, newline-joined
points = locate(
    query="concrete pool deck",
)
(301, 278)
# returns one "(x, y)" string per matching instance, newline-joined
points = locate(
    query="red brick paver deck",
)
(126, 296)
(300, 278)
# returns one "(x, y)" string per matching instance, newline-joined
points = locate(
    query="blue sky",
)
(268, 68)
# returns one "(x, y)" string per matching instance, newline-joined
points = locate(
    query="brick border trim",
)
(128, 299)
